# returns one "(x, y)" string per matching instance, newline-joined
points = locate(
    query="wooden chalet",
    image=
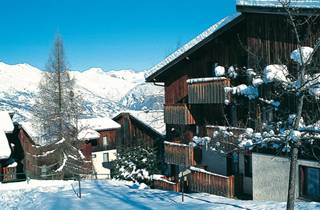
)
(142, 128)
(196, 102)
(104, 147)
(40, 157)
(10, 149)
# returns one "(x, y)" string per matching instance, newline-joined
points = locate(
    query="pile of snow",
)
(219, 71)
(305, 54)
(5, 150)
(248, 91)
(257, 82)
(192, 43)
(276, 72)
(232, 73)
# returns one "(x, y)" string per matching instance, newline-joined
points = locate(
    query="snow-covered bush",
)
(135, 164)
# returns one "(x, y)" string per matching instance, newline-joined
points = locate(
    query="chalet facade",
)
(104, 147)
(142, 128)
(202, 97)
(40, 157)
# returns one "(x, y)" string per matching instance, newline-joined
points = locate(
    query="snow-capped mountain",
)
(104, 92)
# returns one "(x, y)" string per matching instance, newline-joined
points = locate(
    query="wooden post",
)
(79, 180)
(182, 187)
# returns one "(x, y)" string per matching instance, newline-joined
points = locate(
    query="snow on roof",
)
(5, 150)
(214, 28)
(206, 79)
(276, 3)
(99, 124)
(153, 119)
(30, 129)
(6, 123)
(88, 134)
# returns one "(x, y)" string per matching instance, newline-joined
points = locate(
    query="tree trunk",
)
(292, 178)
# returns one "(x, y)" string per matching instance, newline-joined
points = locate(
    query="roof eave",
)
(153, 76)
(277, 10)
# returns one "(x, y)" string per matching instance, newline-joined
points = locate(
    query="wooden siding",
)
(211, 92)
(176, 91)
(166, 185)
(179, 154)
(111, 140)
(211, 183)
(178, 114)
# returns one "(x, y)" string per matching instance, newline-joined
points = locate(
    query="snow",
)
(192, 168)
(88, 134)
(6, 126)
(219, 71)
(306, 54)
(275, 3)
(257, 82)
(315, 90)
(111, 194)
(6, 123)
(99, 124)
(5, 150)
(206, 79)
(103, 91)
(214, 28)
(65, 158)
(248, 91)
(13, 165)
(275, 72)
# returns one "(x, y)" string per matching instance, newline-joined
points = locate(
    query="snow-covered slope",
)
(104, 92)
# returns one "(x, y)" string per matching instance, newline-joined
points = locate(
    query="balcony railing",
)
(207, 90)
(99, 148)
(179, 154)
(178, 114)
(204, 181)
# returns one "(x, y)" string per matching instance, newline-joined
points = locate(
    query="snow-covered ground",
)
(117, 195)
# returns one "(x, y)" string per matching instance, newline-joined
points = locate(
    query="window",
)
(94, 155)
(105, 141)
(248, 165)
(310, 182)
(105, 157)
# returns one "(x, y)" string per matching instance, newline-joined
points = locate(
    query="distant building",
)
(142, 128)
(104, 146)
(10, 154)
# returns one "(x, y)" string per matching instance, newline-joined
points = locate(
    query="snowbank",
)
(276, 72)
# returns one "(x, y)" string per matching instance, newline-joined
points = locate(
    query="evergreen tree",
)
(135, 164)
(57, 111)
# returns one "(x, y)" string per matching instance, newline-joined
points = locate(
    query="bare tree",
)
(57, 111)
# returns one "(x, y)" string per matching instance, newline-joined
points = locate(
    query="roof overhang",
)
(278, 10)
(154, 75)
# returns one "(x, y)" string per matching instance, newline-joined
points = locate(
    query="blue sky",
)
(117, 34)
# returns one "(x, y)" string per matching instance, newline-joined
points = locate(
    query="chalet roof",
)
(6, 126)
(153, 119)
(5, 150)
(88, 134)
(99, 124)
(302, 7)
(191, 46)
(6, 123)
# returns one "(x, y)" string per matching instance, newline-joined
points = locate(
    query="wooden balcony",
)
(207, 90)
(178, 114)
(179, 154)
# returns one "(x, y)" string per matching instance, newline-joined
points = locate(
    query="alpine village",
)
(239, 125)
